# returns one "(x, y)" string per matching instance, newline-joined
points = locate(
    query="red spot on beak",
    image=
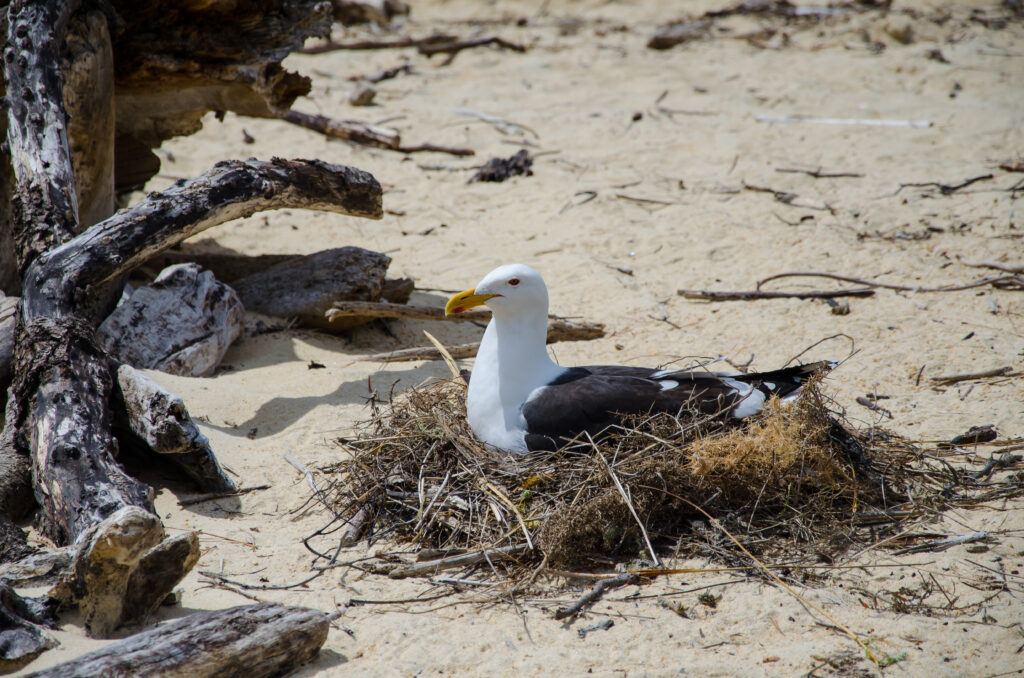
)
(457, 310)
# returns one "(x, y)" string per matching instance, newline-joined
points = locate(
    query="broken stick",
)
(709, 295)
(985, 374)
(349, 130)
(428, 567)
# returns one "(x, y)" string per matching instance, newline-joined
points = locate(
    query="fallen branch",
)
(455, 46)
(998, 281)
(359, 45)
(985, 374)
(213, 496)
(754, 295)
(943, 544)
(874, 407)
(429, 567)
(946, 189)
(255, 641)
(349, 130)
(595, 593)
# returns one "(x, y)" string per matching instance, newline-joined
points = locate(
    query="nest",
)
(794, 481)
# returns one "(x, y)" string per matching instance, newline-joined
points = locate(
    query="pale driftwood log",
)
(22, 623)
(349, 130)
(255, 641)
(305, 287)
(429, 567)
(182, 323)
(62, 418)
(89, 101)
(156, 574)
(158, 418)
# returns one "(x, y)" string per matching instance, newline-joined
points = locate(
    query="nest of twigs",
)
(794, 480)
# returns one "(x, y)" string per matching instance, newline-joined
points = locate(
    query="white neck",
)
(512, 363)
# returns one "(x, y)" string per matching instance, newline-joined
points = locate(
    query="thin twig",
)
(595, 593)
(943, 544)
(629, 504)
(431, 566)
(818, 173)
(1012, 279)
(709, 295)
(985, 374)
(211, 496)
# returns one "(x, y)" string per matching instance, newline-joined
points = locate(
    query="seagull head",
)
(509, 290)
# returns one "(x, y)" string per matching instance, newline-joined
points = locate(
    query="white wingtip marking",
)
(750, 405)
(668, 384)
(770, 385)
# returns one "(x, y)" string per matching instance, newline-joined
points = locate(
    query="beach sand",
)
(641, 186)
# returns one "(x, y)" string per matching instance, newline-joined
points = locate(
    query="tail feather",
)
(785, 383)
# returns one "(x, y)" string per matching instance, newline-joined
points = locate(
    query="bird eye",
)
(513, 282)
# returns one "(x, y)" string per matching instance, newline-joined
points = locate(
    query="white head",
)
(509, 291)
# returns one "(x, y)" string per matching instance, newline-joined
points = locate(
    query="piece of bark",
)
(671, 35)
(255, 641)
(156, 575)
(38, 569)
(183, 323)
(89, 100)
(159, 420)
(500, 169)
(22, 621)
(349, 130)
(306, 287)
(8, 309)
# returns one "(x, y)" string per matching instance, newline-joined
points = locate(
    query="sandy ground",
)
(623, 184)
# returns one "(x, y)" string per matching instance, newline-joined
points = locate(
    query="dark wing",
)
(592, 399)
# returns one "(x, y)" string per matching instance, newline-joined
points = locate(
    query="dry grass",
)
(793, 481)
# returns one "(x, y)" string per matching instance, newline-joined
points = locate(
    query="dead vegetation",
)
(795, 485)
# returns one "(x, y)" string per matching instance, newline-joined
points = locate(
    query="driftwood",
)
(22, 624)
(305, 287)
(369, 309)
(349, 130)
(159, 421)
(428, 567)
(709, 295)
(8, 308)
(39, 569)
(232, 267)
(182, 323)
(254, 641)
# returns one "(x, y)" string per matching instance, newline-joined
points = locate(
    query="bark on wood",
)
(158, 418)
(183, 323)
(254, 641)
(89, 101)
(45, 208)
(8, 309)
(306, 287)
(22, 621)
(349, 130)
(13, 542)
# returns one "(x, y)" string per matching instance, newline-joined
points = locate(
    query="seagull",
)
(520, 401)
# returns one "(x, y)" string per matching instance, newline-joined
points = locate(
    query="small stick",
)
(818, 173)
(600, 626)
(629, 504)
(946, 189)
(456, 46)
(434, 148)
(1013, 279)
(709, 295)
(943, 544)
(386, 74)
(861, 400)
(432, 566)
(349, 130)
(502, 125)
(355, 527)
(845, 121)
(595, 593)
(954, 378)
(210, 496)
(376, 44)
(1009, 268)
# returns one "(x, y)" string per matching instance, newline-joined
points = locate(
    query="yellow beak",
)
(463, 301)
